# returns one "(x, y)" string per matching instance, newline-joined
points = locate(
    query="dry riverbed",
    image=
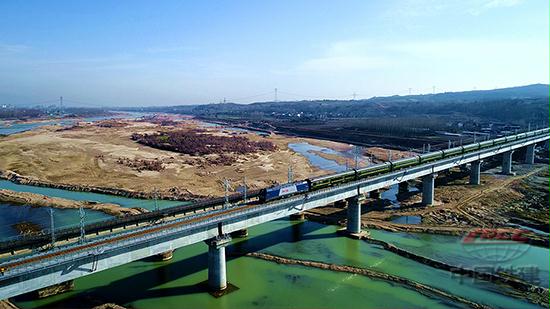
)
(102, 157)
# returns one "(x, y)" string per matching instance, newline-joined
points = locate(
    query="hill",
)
(517, 105)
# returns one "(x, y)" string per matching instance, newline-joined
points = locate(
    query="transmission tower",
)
(356, 152)
(155, 196)
(82, 231)
(245, 197)
(52, 227)
(290, 174)
(226, 189)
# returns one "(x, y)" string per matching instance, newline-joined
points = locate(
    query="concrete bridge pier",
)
(354, 215)
(217, 278)
(353, 226)
(530, 154)
(475, 172)
(507, 163)
(428, 184)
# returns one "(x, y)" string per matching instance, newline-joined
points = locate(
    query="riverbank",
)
(419, 287)
(39, 200)
(267, 284)
(99, 157)
(175, 195)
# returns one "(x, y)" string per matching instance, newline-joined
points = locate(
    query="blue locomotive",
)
(269, 194)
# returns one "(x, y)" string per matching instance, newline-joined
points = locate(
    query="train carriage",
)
(486, 144)
(471, 147)
(404, 163)
(500, 140)
(452, 152)
(331, 180)
(429, 157)
(373, 170)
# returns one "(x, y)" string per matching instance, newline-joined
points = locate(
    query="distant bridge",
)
(29, 270)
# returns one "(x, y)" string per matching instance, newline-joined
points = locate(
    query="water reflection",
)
(307, 150)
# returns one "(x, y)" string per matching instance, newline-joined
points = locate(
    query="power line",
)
(85, 103)
(250, 97)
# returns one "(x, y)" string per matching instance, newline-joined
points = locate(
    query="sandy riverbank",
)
(92, 157)
(39, 200)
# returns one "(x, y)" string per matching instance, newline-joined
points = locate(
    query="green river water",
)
(263, 284)
(10, 214)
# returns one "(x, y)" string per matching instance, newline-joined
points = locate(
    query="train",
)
(314, 184)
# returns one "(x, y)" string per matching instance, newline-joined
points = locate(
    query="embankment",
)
(39, 200)
(173, 194)
(533, 293)
(417, 286)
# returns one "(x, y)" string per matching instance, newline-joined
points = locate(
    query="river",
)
(262, 284)
(311, 153)
(10, 214)
(7, 128)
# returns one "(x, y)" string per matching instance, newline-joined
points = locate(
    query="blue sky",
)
(133, 52)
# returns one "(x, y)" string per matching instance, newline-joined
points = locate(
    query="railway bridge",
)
(28, 270)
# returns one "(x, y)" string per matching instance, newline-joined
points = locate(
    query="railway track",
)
(9, 266)
(37, 241)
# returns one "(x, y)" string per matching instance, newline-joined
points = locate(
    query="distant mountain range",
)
(520, 92)
(534, 91)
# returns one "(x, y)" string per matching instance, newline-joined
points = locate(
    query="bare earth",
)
(39, 200)
(89, 155)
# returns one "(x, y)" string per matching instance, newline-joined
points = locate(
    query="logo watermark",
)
(493, 251)
(527, 273)
(495, 245)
